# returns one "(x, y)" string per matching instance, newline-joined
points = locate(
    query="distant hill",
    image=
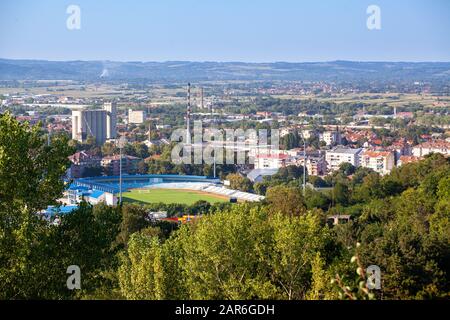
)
(197, 71)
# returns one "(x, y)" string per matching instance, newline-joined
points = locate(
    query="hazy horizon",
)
(232, 61)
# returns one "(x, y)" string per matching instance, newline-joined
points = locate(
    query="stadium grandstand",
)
(101, 188)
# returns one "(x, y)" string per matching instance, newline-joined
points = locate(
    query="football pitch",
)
(170, 196)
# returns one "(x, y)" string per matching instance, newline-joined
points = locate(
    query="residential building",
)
(338, 155)
(81, 162)
(400, 148)
(379, 161)
(407, 159)
(404, 115)
(265, 114)
(310, 152)
(436, 146)
(270, 161)
(136, 116)
(331, 137)
(316, 166)
(111, 165)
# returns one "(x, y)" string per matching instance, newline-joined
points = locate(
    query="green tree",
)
(133, 220)
(291, 259)
(240, 253)
(141, 271)
(316, 199)
(151, 269)
(30, 170)
(321, 287)
(341, 194)
(287, 200)
(30, 179)
(109, 149)
(239, 182)
(346, 169)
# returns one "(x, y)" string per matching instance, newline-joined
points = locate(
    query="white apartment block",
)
(437, 146)
(336, 156)
(316, 166)
(331, 137)
(270, 161)
(379, 161)
(136, 116)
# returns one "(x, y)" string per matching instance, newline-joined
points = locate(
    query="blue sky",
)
(226, 30)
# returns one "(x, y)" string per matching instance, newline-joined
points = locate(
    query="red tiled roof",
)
(409, 159)
(80, 156)
(272, 156)
(377, 141)
(376, 154)
(436, 144)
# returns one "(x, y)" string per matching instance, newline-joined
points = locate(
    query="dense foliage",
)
(282, 248)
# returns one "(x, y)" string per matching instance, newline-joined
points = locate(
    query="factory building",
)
(99, 124)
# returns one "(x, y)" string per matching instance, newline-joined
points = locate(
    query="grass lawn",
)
(170, 196)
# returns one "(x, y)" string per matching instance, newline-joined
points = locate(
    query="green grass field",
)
(170, 196)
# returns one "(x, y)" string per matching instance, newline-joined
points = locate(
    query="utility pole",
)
(149, 130)
(212, 124)
(304, 165)
(201, 103)
(49, 137)
(122, 142)
(304, 162)
(214, 163)
(149, 124)
(120, 177)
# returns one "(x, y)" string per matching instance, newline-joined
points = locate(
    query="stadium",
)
(154, 188)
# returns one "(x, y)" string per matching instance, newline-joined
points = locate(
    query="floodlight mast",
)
(122, 143)
(188, 115)
(214, 163)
